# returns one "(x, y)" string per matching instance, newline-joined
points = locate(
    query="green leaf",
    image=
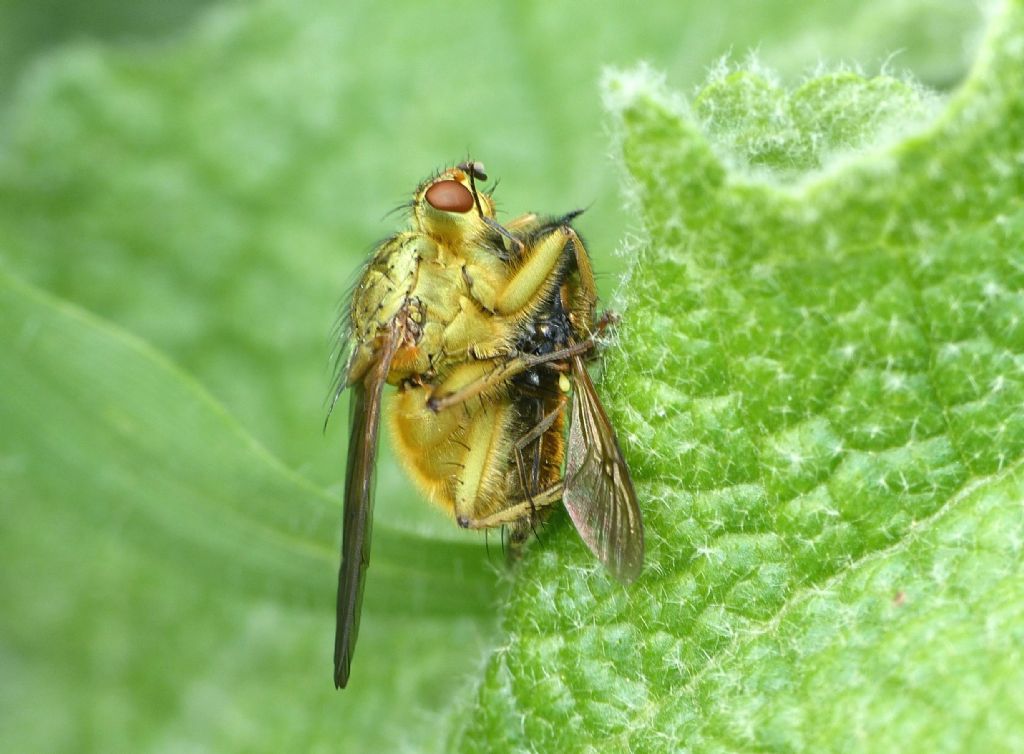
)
(819, 382)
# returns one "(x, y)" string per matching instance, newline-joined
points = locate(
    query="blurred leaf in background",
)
(184, 197)
(29, 29)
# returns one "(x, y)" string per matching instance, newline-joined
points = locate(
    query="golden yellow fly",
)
(481, 327)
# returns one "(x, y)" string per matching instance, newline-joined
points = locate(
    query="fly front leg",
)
(531, 279)
(556, 257)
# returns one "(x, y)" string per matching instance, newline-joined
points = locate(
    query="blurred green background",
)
(189, 190)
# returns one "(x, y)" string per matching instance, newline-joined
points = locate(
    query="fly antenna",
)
(476, 170)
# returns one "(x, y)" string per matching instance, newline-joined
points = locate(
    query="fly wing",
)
(364, 421)
(599, 494)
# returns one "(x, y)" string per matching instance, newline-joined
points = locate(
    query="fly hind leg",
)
(518, 520)
(514, 513)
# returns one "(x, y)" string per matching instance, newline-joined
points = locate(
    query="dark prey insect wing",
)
(599, 494)
(364, 421)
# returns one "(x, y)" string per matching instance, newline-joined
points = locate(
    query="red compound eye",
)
(450, 196)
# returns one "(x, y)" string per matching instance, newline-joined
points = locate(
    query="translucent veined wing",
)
(599, 494)
(364, 422)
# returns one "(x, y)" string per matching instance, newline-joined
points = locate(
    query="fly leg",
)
(534, 435)
(516, 293)
(485, 376)
(502, 373)
(521, 518)
(514, 513)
